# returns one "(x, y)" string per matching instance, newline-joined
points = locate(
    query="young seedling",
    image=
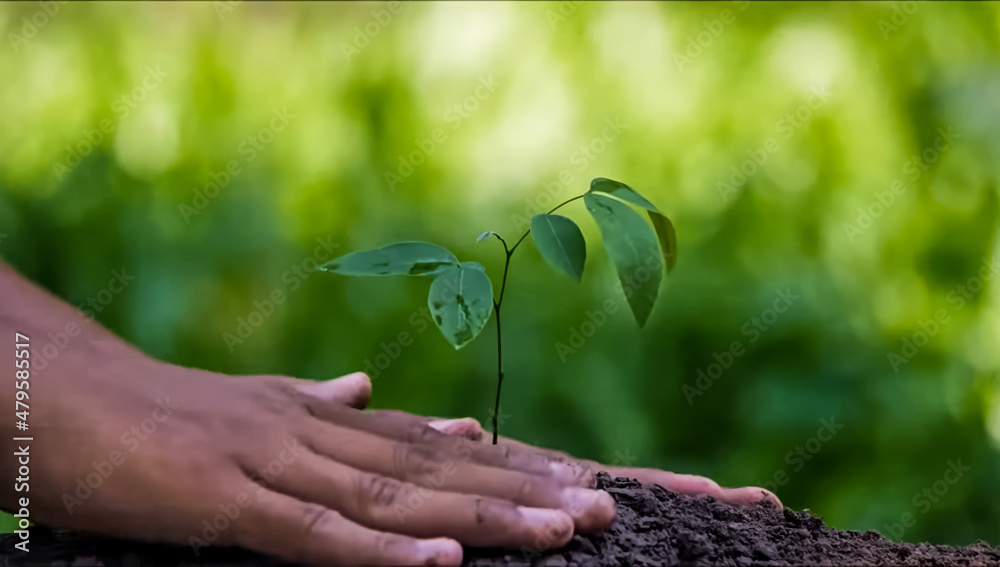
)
(461, 294)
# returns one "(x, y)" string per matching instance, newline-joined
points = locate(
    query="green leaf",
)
(622, 191)
(633, 247)
(401, 259)
(475, 265)
(664, 228)
(460, 301)
(561, 243)
(667, 236)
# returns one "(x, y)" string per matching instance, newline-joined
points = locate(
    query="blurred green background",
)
(210, 149)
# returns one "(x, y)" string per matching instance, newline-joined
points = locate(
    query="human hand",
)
(131, 447)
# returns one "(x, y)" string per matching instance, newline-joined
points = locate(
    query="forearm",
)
(27, 307)
(45, 344)
(30, 310)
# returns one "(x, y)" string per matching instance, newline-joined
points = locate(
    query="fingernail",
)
(362, 386)
(591, 509)
(555, 525)
(440, 551)
(360, 379)
(466, 426)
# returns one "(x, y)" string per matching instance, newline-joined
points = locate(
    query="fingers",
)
(699, 485)
(747, 497)
(401, 507)
(751, 496)
(295, 531)
(459, 460)
(580, 472)
(352, 390)
(408, 428)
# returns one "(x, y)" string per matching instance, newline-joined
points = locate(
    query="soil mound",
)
(657, 527)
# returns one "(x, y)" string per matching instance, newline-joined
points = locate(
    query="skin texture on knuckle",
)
(379, 492)
(314, 521)
(414, 461)
(505, 452)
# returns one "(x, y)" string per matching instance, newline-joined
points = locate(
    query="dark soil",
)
(658, 527)
(655, 527)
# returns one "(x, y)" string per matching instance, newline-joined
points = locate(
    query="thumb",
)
(747, 497)
(353, 390)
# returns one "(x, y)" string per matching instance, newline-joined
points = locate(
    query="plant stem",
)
(496, 404)
(496, 309)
